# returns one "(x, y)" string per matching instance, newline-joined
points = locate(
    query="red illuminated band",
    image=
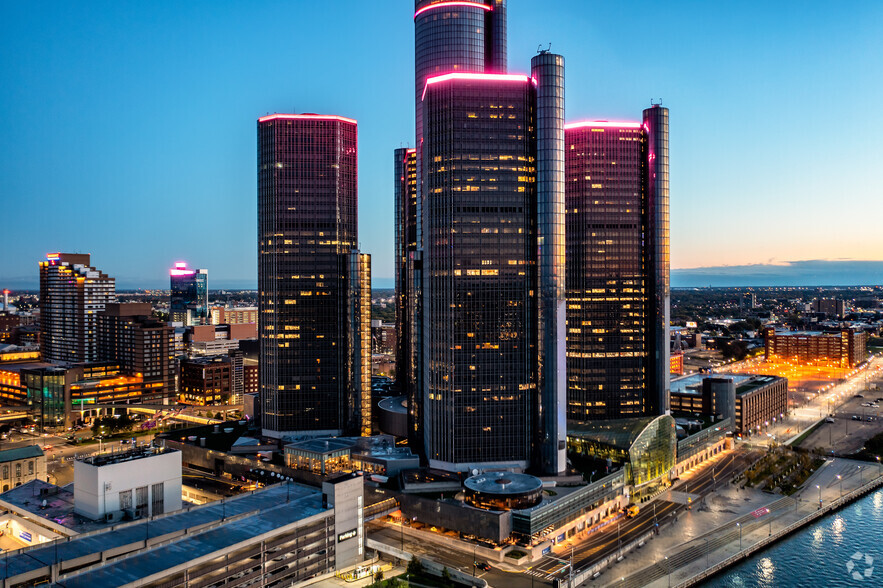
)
(451, 4)
(181, 272)
(306, 117)
(588, 124)
(477, 76)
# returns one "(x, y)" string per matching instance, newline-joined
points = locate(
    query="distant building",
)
(188, 302)
(217, 339)
(374, 455)
(205, 380)
(142, 346)
(752, 401)
(141, 482)
(72, 294)
(677, 363)
(21, 465)
(383, 336)
(238, 315)
(828, 306)
(845, 349)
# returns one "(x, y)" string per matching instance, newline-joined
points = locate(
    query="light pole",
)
(820, 495)
(840, 478)
(668, 565)
(879, 466)
(740, 535)
(861, 474)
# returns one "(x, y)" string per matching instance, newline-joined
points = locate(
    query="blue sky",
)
(128, 128)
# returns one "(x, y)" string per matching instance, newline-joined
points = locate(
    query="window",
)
(5, 471)
(31, 467)
(141, 497)
(157, 499)
(125, 500)
(18, 470)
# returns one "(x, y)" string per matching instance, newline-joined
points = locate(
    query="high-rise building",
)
(72, 294)
(407, 283)
(617, 267)
(311, 292)
(188, 303)
(142, 346)
(480, 276)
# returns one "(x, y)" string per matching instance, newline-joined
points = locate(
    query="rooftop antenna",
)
(541, 50)
(655, 103)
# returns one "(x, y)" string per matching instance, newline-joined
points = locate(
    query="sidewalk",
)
(718, 510)
(692, 557)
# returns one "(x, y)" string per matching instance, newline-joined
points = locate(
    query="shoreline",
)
(774, 538)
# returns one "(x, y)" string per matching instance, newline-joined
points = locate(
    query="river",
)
(842, 549)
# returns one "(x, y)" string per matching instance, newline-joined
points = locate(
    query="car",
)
(858, 396)
(482, 566)
(856, 418)
(829, 420)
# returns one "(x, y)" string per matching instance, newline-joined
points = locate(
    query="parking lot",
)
(853, 425)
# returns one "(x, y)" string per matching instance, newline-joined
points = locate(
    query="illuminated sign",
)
(692, 324)
(347, 535)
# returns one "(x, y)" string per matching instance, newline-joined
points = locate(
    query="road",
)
(607, 541)
(588, 550)
(60, 455)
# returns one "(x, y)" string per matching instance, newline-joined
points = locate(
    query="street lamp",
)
(740, 535)
(820, 495)
(839, 477)
(668, 565)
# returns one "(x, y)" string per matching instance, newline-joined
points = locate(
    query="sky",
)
(128, 128)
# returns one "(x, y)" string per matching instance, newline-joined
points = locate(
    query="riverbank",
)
(838, 483)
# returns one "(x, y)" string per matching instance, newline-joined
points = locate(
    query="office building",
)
(828, 306)
(844, 349)
(313, 320)
(72, 294)
(480, 247)
(188, 302)
(407, 284)
(754, 402)
(141, 345)
(618, 360)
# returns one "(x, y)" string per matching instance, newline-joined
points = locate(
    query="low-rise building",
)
(753, 402)
(141, 482)
(845, 348)
(21, 465)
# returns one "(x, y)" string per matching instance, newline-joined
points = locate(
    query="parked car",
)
(482, 566)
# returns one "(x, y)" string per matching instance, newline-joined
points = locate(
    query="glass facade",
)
(307, 231)
(646, 446)
(407, 287)
(607, 306)
(188, 302)
(479, 299)
(658, 263)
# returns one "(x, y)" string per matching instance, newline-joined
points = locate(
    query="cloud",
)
(814, 272)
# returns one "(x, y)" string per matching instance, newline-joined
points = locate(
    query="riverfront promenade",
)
(680, 562)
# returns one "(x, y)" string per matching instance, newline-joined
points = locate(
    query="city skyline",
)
(184, 90)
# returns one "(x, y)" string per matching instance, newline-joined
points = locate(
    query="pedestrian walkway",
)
(675, 560)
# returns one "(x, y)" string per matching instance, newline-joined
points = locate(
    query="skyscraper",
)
(188, 302)
(72, 293)
(311, 278)
(489, 315)
(617, 268)
(407, 286)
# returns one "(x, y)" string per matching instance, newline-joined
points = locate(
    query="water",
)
(818, 554)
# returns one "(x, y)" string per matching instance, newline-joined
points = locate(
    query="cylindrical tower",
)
(659, 295)
(547, 69)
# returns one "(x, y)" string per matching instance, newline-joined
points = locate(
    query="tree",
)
(415, 568)
(378, 576)
(446, 577)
